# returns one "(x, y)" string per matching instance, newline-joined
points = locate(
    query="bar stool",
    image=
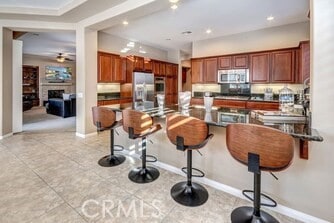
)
(140, 125)
(188, 134)
(105, 119)
(260, 148)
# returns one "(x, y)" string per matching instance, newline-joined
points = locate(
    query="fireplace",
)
(55, 93)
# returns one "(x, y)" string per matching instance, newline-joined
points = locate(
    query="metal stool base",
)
(111, 160)
(245, 215)
(191, 196)
(143, 175)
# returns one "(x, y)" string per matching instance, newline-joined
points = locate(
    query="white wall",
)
(113, 44)
(264, 39)
(17, 86)
(319, 182)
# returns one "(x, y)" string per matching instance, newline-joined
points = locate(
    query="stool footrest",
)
(201, 173)
(119, 146)
(272, 204)
(153, 158)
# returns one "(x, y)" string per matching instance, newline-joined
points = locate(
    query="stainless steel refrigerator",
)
(143, 90)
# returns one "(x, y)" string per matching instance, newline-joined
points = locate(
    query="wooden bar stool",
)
(188, 134)
(105, 119)
(261, 149)
(140, 125)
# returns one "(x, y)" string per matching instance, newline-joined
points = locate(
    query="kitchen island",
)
(221, 170)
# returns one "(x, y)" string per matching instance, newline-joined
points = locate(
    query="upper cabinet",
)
(197, 71)
(233, 62)
(156, 68)
(273, 67)
(210, 70)
(283, 66)
(303, 62)
(148, 65)
(259, 68)
(110, 68)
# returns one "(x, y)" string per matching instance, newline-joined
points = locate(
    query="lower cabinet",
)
(230, 103)
(262, 105)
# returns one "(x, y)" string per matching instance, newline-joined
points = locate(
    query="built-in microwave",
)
(233, 76)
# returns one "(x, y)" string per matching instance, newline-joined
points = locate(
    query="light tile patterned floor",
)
(51, 177)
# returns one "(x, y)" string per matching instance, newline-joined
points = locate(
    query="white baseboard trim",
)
(85, 135)
(238, 193)
(6, 136)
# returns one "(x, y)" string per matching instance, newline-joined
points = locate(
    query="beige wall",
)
(6, 83)
(319, 182)
(264, 39)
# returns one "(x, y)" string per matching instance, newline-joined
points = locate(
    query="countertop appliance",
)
(233, 76)
(143, 88)
(159, 85)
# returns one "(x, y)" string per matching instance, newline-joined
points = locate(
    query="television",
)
(58, 74)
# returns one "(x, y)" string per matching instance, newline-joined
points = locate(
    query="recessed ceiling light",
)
(173, 7)
(208, 31)
(270, 18)
(186, 32)
(130, 44)
(142, 51)
(173, 1)
(125, 22)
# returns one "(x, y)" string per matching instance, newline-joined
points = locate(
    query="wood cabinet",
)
(30, 84)
(210, 70)
(138, 63)
(110, 68)
(197, 101)
(283, 66)
(303, 62)
(197, 71)
(262, 105)
(204, 70)
(259, 68)
(148, 65)
(162, 69)
(229, 103)
(233, 62)
(156, 68)
(171, 90)
(169, 70)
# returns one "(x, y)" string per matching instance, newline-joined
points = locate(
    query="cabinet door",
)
(148, 66)
(129, 69)
(210, 70)
(175, 70)
(229, 103)
(283, 66)
(169, 85)
(156, 68)
(162, 69)
(260, 68)
(118, 74)
(304, 62)
(240, 61)
(225, 62)
(197, 71)
(104, 68)
(197, 101)
(169, 69)
(138, 63)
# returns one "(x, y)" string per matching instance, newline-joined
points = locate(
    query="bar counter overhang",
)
(221, 170)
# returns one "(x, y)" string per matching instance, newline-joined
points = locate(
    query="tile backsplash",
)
(108, 88)
(255, 88)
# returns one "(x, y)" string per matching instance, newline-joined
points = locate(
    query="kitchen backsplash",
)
(108, 88)
(255, 88)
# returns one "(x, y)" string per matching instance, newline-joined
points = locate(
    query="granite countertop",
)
(253, 99)
(221, 116)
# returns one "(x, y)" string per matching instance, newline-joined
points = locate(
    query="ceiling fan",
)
(61, 58)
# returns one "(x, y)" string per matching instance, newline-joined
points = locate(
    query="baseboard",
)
(6, 136)
(238, 193)
(85, 135)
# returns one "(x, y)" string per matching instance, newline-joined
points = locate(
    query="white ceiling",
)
(152, 25)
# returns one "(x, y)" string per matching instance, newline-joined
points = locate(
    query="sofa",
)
(63, 107)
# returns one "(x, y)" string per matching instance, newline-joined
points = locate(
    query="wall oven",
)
(234, 76)
(159, 85)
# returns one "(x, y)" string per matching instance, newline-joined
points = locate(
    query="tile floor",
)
(54, 177)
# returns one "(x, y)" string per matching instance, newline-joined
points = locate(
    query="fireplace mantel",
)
(57, 84)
